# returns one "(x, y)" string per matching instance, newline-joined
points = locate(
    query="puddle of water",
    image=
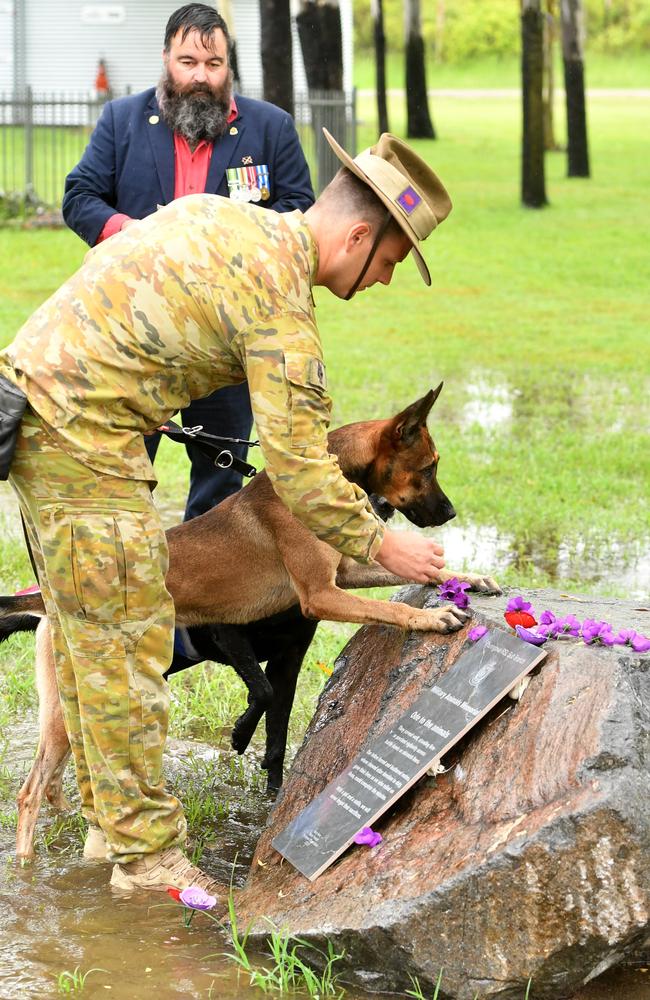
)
(59, 913)
(596, 562)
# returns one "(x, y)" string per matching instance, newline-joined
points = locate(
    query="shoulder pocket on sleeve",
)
(309, 404)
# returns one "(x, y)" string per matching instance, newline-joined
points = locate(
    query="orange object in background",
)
(101, 80)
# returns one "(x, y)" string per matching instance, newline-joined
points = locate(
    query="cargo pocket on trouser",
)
(117, 618)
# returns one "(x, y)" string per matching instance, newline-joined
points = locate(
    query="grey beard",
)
(198, 114)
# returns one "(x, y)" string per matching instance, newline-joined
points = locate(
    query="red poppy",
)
(519, 618)
(174, 893)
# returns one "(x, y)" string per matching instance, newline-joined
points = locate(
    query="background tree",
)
(418, 120)
(319, 30)
(533, 186)
(574, 85)
(550, 38)
(377, 11)
(277, 56)
(321, 42)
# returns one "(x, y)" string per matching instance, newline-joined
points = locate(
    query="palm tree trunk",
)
(277, 58)
(377, 11)
(533, 186)
(574, 85)
(418, 120)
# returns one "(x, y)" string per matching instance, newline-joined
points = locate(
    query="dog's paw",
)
(446, 619)
(482, 584)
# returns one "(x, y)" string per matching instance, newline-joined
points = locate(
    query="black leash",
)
(207, 443)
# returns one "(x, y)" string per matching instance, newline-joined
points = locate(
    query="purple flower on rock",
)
(530, 635)
(628, 637)
(453, 590)
(519, 604)
(196, 898)
(567, 626)
(368, 837)
(476, 633)
(547, 618)
(597, 632)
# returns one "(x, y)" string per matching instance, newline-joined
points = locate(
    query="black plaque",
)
(391, 763)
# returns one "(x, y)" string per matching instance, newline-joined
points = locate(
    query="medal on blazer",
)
(249, 183)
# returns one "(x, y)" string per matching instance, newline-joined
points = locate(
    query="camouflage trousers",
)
(101, 555)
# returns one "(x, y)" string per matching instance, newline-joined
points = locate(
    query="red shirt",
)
(190, 174)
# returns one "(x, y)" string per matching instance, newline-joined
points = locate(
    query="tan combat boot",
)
(95, 846)
(166, 869)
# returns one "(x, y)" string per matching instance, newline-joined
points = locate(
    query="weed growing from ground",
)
(74, 982)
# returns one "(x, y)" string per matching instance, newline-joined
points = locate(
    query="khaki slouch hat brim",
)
(408, 187)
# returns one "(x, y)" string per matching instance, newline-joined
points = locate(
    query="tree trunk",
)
(550, 37)
(533, 187)
(377, 10)
(439, 42)
(418, 120)
(321, 42)
(277, 58)
(574, 85)
(319, 30)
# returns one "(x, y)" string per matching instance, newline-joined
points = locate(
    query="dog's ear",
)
(407, 423)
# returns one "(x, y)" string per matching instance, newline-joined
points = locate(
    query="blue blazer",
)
(128, 165)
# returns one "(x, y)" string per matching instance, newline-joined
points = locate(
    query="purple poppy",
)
(562, 628)
(453, 590)
(196, 898)
(519, 604)
(547, 618)
(597, 632)
(628, 637)
(368, 837)
(530, 635)
(476, 633)
(640, 643)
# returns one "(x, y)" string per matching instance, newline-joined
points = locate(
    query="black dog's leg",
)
(282, 671)
(239, 652)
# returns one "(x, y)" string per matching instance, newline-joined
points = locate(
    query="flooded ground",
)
(59, 913)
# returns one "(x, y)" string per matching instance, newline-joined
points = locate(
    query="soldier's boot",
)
(163, 870)
(95, 845)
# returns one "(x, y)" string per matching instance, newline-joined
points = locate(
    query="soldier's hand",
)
(410, 555)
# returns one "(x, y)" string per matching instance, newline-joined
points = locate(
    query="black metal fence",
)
(42, 136)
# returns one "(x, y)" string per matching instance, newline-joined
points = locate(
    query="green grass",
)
(601, 71)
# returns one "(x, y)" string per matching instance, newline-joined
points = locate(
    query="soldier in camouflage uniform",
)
(203, 294)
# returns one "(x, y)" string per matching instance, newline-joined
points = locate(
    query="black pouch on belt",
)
(12, 406)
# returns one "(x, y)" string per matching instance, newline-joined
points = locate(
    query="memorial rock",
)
(528, 857)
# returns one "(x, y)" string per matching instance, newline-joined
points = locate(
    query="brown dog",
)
(250, 558)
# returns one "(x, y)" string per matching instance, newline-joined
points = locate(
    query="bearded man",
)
(190, 135)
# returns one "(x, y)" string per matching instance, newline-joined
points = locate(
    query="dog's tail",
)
(20, 614)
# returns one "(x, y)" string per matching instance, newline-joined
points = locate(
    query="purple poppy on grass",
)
(196, 898)
(597, 632)
(519, 604)
(476, 633)
(368, 837)
(530, 635)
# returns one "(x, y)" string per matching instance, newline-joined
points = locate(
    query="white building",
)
(54, 46)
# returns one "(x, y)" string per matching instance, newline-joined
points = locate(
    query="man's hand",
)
(410, 555)
(128, 222)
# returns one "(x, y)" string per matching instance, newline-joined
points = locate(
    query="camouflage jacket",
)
(204, 293)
